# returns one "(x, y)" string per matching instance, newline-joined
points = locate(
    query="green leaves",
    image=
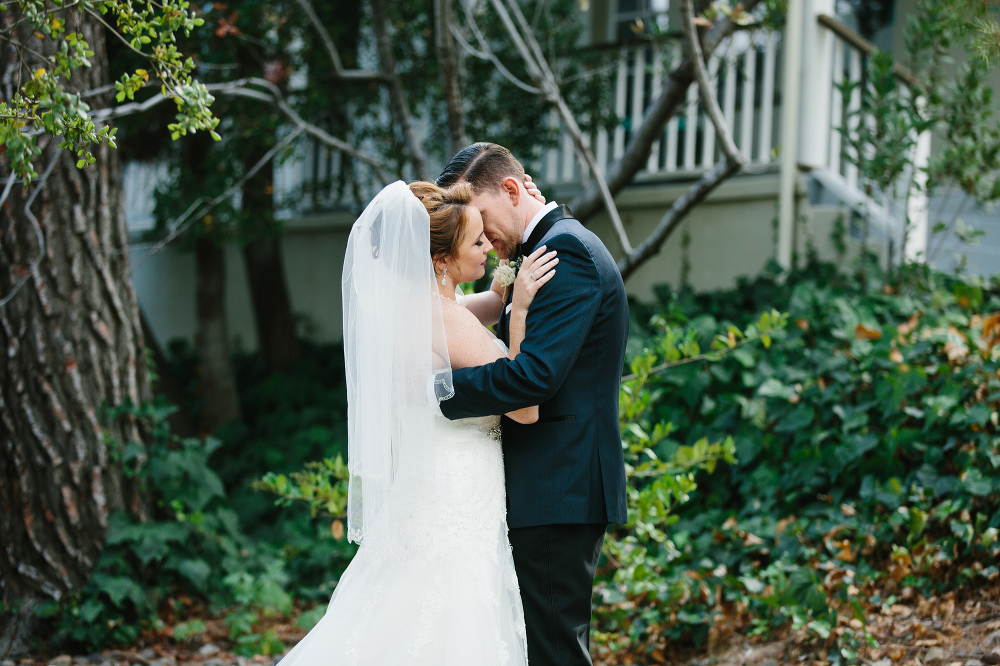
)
(322, 486)
(866, 429)
(46, 103)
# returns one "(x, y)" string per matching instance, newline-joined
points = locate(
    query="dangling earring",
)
(444, 275)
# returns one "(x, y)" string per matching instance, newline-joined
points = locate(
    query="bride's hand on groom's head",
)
(536, 269)
(532, 188)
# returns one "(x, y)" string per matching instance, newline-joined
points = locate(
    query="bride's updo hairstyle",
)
(449, 212)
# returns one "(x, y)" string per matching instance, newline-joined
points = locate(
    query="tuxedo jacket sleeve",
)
(557, 325)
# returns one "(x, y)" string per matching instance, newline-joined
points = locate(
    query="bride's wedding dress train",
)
(448, 594)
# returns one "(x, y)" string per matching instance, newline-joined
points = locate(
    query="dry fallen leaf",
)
(907, 327)
(862, 332)
(900, 610)
(991, 330)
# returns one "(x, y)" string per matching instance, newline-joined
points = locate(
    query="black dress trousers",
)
(555, 570)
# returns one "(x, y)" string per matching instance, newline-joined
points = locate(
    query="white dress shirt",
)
(536, 219)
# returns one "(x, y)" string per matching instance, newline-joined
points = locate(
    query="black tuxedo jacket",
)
(568, 467)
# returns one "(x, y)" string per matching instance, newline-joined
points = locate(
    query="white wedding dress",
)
(433, 582)
(449, 597)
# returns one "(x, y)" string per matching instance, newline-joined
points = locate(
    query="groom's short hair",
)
(483, 165)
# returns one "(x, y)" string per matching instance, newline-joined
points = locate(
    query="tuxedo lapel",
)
(543, 226)
(526, 248)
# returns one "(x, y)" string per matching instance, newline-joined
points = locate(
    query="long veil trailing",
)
(394, 343)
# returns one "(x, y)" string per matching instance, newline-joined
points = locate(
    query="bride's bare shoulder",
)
(469, 343)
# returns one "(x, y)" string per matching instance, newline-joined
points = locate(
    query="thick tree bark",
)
(448, 59)
(266, 270)
(72, 346)
(218, 384)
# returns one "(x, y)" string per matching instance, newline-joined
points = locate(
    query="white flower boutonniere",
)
(506, 271)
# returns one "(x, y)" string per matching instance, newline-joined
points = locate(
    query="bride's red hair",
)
(448, 209)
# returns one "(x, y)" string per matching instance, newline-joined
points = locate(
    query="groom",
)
(565, 474)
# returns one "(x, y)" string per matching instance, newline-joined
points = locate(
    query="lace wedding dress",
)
(433, 582)
(449, 596)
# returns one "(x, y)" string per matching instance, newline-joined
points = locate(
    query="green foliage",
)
(866, 448)
(321, 485)
(193, 545)
(46, 102)
(257, 598)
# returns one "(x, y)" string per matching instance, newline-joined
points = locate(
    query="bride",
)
(433, 581)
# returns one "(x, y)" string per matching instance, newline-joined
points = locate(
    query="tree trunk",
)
(181, 423)
(398, 105)
(216, 371)
(217, 381)
(266, 270)
(448, 59)
(72, 347)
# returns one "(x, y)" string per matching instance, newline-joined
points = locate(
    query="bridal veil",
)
(394, 344)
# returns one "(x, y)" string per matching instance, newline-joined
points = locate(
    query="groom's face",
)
(503, 223)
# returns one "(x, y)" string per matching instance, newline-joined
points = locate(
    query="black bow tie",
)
(518, 252)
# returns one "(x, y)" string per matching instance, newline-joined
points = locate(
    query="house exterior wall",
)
(313, 251)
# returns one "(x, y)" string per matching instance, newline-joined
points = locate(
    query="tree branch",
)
(680, 208)
(487, 54)
(538, 67)
(397, 96)
(331, 50)
(272, 96)
(731, 165)
(180, 224)
(636, 155)
(708, 98)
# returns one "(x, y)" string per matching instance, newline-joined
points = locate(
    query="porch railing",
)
(835, 54)
(746, 73)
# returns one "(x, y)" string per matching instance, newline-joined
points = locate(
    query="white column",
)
(794, 68)
(916, 207)
(767, 99)
(749, 88)
(621, 86)
(836, 105)
(815, 70)
(653, 165)
(672, 123)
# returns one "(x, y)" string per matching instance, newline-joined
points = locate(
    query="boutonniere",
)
(506, 271)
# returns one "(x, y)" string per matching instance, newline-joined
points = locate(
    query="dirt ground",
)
(957, 629)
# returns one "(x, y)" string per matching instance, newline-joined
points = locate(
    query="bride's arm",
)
(469, 344)
(537, 269)
(486, 305)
